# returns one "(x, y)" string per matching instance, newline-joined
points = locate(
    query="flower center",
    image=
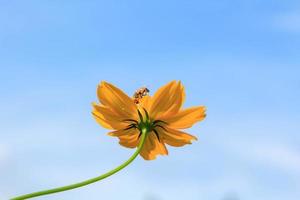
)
(139, 94)
(145, 122)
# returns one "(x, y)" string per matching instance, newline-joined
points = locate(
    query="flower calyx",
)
(145, 123)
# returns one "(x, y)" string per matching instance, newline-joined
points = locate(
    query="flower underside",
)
(161, 115)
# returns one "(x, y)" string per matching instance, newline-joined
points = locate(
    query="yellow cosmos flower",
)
(161, 114)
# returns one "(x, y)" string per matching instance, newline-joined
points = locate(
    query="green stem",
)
(89, 181)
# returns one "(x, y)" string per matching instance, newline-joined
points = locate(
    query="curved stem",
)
(89, 181)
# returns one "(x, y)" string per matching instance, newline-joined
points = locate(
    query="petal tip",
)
(103, 84)
(110, 134)
(94, 104)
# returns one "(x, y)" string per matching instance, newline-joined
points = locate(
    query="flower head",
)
(161, 115)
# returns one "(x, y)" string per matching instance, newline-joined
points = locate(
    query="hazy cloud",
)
(289, 22)
(4, 153)
(273, 154)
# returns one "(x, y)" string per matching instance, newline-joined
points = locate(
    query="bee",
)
(139, 94)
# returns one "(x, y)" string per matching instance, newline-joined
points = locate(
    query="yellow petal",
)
(153, 147)
(112, 97)
(168, 99)
(175, 138)
(127, 138)
(185, 118)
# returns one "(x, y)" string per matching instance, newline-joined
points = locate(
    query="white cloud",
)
(289, 22)
(274, 155)
(4, 154)
(278, 155)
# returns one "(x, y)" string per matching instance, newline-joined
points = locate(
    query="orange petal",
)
(108, 118)
(153, 147)
(163, 99)
(99, 118)
(175, 138)
(117, 100)
(145, 151)
(177, 100)
(127, 138)
(145, 102)
(185, 118)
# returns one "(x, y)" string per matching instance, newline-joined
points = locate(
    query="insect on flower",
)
(139, 94)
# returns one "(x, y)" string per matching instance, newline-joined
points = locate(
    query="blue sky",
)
(238, 58)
